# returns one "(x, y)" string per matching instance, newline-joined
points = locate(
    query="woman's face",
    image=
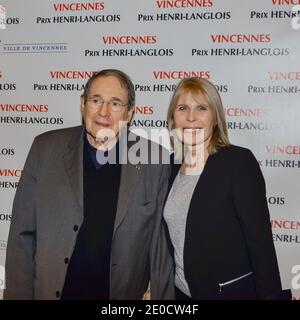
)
(193, 119)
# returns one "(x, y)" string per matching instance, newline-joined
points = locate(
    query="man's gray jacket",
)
(48, 213)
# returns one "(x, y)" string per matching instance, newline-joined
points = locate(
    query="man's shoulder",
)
(60, 135)
(59, 140)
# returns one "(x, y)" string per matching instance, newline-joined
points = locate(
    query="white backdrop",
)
(249, 49)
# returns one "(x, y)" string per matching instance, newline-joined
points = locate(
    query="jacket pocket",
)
(224, 284)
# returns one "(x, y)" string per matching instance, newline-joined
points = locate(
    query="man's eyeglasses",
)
(113, 105)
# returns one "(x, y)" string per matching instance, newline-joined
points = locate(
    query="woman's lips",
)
(192, 130)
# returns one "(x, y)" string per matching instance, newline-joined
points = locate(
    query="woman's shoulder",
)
(235, 155)
(234, 150)
(240, 159)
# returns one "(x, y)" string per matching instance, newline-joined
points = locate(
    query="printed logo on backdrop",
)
(4, 217)
(202, 11)
(277, 89)
(247, 118)
(7, 151)
(175, 4)
(284, 156)
(275, 200)
(92, 16)
(168, 75)
(33, 48)
(278, 14)
(6, 86)
(273, 83)
(261, 45)
(286, 231)
(9, 175)
(4, 20)
(66, 81)
(2, 17)
(296, 19)
(286, 77)
(148, 123)
(145, 111)
(131, 46)
(39, 112)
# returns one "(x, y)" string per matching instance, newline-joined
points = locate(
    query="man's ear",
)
(81, 105)
(130, 114)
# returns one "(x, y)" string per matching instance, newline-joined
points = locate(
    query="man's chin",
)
(106, 138)
(105, 134)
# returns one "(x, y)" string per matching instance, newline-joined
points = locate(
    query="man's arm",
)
(161, 261)
(20, 266)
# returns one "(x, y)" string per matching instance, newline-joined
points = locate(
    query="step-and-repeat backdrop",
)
(249, 49)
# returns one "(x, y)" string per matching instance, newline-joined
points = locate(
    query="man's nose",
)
(103, 109)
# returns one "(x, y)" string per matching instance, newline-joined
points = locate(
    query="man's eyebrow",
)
(116, 98)
(96, 96)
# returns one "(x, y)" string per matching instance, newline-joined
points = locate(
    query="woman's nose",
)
(191, 115)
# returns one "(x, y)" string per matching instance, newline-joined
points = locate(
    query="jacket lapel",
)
(129, 177)
(74, 166)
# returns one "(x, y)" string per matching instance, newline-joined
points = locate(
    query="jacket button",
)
(57, 293)
(66, 260)
(75, 228)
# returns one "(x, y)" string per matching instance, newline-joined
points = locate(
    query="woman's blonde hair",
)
(196, 85)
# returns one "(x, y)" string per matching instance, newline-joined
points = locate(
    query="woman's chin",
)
(193, 142)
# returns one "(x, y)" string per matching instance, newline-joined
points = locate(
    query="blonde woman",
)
(216, 210)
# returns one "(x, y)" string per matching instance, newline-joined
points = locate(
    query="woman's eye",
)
(202, 108)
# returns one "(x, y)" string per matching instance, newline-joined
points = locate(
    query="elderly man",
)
(83, 228)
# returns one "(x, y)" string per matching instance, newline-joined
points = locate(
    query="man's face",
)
(104, 110)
